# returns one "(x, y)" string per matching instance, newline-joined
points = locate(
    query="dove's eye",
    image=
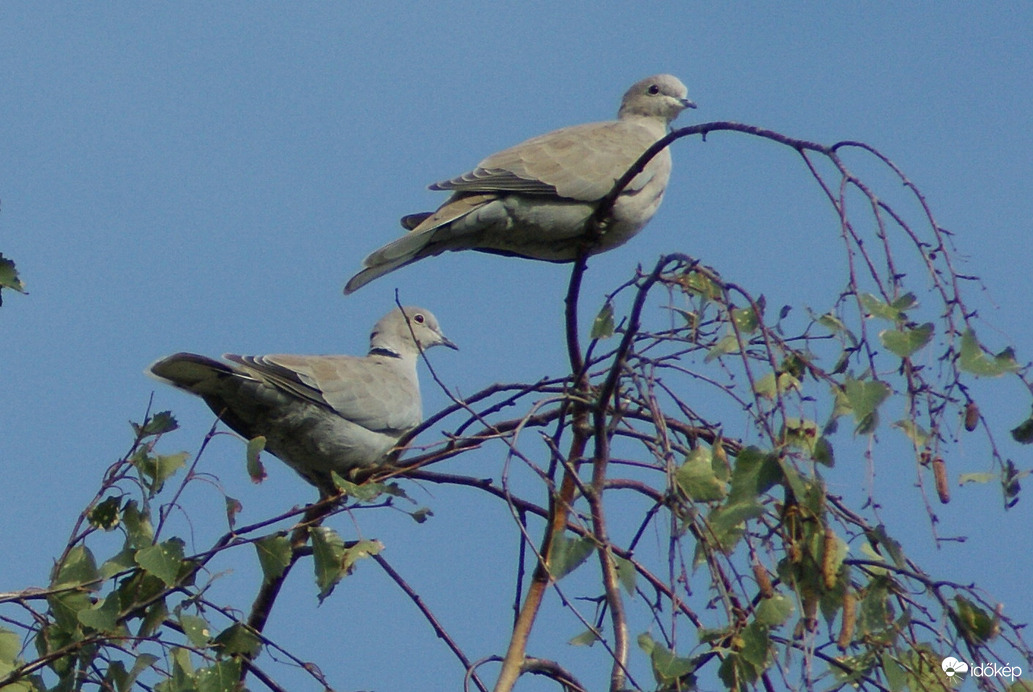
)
(418, 318)
(654, 89)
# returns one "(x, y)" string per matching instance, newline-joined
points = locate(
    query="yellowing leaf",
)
(602, 327)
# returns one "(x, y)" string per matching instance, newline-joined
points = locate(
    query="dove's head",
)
(394, 333)
(659, 96)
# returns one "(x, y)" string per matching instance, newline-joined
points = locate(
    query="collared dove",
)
(319, 413)
(533, 200)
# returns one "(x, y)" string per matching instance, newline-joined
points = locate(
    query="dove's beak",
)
(445, 341)
(688, 104)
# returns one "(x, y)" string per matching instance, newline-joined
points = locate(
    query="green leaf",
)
(877, 308)
(697, 479)
(143, 662)
(115, 677)
(586, 638)
(233, 508)
(745, 319)
(333, 560)
(915, 432)
(603, 325)
(363, 492)
(756, 646)
(196, 630)
(974, 622)
(121, 561)
(103, 616)
(182, 669)
(905, 342)
(905, 302)
(864, 398)
(626, 574)
(800, 433)
(274, 554)
(158, 468)
(896, 679)
(775, 611)
(726, 523)
(879, 537)
(9, 275)
(974, 360)
(697, 283)
(725, 345)
(104, 514)
(238, 639)
(328, 556)
(874, 615)
(836, 326)
(224, 676)
(668, 667)
(163, 560)
(421, 515)
(691, 317)
(78, 569)
(976, 478)
(795, 483)
(154, 616)
(1023, 432)
(823, 452)
(65, 607)
(138, 588)
(1010, 483)
(737, 673)
(567, 554)
(255, 469)
(360, 551)
(840, 408)
(158, 424)
(10, 647)
(753, 473)
(140, 533)
(769, 388)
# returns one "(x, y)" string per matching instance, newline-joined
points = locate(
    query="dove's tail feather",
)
(411, 222)
(189, 371)
(207, 378)
(395, 255)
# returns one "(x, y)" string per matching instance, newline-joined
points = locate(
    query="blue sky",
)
(205, 177)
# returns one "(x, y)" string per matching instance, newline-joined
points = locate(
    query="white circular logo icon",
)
(952, 666)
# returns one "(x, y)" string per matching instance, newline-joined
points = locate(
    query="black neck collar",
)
(381, 351)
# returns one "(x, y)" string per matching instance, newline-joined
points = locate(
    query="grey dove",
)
(533, 200)
(319, 413)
